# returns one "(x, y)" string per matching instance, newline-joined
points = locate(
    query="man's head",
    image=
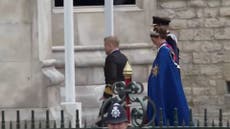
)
(116, 117)
(110, 44)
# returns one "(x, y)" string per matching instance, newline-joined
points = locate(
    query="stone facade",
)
(32, 52)
(202, 28)
(20, 74)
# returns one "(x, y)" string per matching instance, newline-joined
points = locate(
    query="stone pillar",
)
(70, 105)
(42, 35)
(109, 18)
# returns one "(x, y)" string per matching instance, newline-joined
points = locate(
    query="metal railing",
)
(38, 124)
(218, 123)
(138, 114)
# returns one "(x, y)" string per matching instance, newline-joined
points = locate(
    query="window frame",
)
(100, 8)
(90, 5)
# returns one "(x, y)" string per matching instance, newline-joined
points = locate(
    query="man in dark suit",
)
(113, 70)
(114, 64)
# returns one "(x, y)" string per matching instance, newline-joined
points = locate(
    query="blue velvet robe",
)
(166, 90)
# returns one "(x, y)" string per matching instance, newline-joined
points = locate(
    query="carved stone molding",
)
(54, 76)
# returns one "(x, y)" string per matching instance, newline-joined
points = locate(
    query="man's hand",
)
(107, 92)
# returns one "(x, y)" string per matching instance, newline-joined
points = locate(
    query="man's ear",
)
(112, 45)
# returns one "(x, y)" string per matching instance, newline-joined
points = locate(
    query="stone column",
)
(44, 29)
(70, 106)
(109, 18)
(43, 38)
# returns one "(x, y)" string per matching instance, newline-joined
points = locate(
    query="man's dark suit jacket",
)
(114, 65)
(113, 71)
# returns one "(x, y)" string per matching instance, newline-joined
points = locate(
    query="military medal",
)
(155, 70)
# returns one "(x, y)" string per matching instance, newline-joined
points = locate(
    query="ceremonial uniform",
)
(172, 41)
(171, 38)
(165, 88)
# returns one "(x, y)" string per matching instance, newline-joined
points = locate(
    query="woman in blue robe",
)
(164, 84)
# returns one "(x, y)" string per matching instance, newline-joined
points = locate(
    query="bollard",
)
(127, 72)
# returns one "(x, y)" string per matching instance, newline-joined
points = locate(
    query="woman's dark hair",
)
(162, 32)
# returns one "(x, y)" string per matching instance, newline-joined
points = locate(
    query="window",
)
(228, 86)
(59, 3)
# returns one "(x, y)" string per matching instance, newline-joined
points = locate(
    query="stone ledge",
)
(88, 56)
(101, 47)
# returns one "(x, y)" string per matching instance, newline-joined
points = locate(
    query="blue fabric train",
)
(166, 90)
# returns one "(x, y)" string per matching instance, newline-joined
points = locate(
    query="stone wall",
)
(202, 27)
(203, 30)
(131, 25)
(20, 76)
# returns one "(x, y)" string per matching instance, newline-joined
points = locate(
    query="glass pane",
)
(59, 3)
(228, 86)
